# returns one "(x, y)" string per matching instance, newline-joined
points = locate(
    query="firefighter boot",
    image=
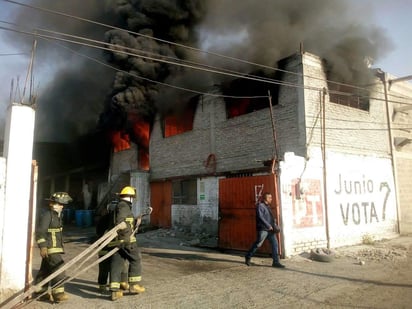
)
(43, 297)
(136, 289)
(124, 286)
(116, 295)
(60, 297)
(103, 289)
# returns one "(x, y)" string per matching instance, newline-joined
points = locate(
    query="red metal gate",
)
(237, 199)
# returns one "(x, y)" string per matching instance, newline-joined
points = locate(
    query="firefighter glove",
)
(43, 252)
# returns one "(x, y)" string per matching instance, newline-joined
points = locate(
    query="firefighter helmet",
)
(60, 197)
(128, 191)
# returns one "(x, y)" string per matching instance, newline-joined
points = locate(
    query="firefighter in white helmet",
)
(49, 238)
(128, 250)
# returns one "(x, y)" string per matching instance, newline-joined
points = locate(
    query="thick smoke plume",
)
(70, 88)
(262, 31)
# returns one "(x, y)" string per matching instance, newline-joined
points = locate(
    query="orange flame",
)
(141, 131)
(120, 140)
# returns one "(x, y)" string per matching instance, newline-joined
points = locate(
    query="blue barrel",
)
(79, 217)
(87, 218)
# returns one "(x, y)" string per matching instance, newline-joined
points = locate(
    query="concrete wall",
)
(361, 195)
(400, 110)
(140, 181)
(234, 145)
(203, 217)
(347, 129)
(15, 225)
(360, 203)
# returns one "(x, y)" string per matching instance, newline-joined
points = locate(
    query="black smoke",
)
(82, 95)
(262, 32)
(70, 88)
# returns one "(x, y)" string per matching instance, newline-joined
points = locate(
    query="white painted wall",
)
(202, 217)
(303, 217)
(18, 149)
(360, 200)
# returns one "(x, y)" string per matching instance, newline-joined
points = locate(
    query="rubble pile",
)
(378, 253)
(184, 237)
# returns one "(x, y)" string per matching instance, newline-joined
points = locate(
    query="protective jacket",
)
(49, 232)
(128, 250)
(124, 213)
(264, 218)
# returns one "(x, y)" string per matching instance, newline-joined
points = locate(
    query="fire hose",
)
(88, 253)
(102, 258)
(91, 251)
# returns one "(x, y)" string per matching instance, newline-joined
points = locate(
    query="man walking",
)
(266, 228)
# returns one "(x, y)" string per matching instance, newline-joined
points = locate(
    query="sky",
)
(392, 17)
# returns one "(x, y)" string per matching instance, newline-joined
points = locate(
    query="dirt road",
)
(177, 275)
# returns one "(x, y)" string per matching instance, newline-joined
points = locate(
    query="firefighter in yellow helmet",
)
(49, 239)
(128, 250)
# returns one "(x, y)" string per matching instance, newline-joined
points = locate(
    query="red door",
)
(237, 200)
(161, 201)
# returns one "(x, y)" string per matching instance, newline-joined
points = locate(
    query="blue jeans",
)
(261, 237)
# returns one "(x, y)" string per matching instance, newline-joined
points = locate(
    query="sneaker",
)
(278, 265)
(247, 261)
(60, 297)
(136, 289)
(116, 295)
(124, 286)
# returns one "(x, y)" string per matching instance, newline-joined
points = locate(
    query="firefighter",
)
(104, 223)
(49, 239)
(128, 250)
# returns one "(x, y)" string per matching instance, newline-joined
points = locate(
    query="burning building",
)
(167, 55)
(331, 163)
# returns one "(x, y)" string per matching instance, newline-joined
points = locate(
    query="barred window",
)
(185, 191)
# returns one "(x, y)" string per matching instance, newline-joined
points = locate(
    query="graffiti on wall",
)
(307, 203)
(363, 199)
(258, 192)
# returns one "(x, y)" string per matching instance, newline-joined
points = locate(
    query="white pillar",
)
(14, 225)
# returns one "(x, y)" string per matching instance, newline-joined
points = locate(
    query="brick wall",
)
(358, 148)
(400, 98)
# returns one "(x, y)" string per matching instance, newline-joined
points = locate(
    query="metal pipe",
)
(323, 149)
(275, 173)
(383, 76)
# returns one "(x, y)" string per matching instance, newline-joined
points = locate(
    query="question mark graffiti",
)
(385, 185)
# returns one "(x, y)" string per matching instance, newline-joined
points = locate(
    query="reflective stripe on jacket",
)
(49, 232)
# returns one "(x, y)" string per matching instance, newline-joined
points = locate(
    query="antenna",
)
(11, 90)
(30, 75)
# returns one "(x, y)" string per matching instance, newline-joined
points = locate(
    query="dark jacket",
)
(264, 218)
(49, 232)
(124, 213)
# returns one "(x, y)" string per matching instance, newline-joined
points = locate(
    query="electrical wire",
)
(13, 54)
(181, 62)
(119, 49)
(54, 12)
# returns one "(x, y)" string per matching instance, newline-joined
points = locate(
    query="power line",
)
(174, 43)
(119, 49)
(193, 65)
(13, 54)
